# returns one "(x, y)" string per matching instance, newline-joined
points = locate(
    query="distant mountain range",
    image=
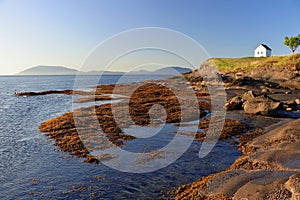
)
(59, 70)
(48, 70)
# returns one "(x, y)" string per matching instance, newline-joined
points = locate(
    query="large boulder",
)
(235, 104)
(261, 105)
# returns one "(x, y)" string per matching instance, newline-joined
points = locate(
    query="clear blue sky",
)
(63, 32)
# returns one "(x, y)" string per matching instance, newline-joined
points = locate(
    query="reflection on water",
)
(31, 168)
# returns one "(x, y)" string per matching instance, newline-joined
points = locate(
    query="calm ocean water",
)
(32, 168)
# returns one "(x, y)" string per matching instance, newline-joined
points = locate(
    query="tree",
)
(292, 42)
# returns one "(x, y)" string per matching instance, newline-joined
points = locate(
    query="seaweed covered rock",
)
(231, 128)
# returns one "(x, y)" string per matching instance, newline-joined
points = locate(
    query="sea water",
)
(31, 167)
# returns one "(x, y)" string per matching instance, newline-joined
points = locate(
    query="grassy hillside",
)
(250, 63)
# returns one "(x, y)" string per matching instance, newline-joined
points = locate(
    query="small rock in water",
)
(91, 159)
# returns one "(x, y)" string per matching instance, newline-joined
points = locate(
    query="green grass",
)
(248, 63)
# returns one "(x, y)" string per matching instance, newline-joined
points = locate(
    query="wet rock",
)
(91, 159)
(235, 104)
(262, 106)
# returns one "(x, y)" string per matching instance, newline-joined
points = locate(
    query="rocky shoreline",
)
(268, 169)
(269, 166)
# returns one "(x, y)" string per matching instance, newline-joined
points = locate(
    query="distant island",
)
(43, 70)
(48, 70)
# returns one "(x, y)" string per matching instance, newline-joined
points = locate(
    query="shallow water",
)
(32, 168)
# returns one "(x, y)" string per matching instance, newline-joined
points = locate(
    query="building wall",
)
(260, 51)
